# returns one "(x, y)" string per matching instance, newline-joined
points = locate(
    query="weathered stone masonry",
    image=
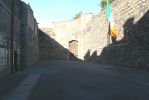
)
(15, 18)
(19, 45)
(8, 15)
(50, 49)
(66, 31)
(29, 38)
(132, 24)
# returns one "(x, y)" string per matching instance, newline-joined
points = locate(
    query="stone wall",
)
(4, 34)
(94, 42)
(91, 32)
(70, 30)
(93, 37)
(9, 29)
(32, 39)
(66, 31)
(29, 36)
(50, 49)
(14, 35)
(132, 24)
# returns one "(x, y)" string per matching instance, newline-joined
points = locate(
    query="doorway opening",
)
(73, 48)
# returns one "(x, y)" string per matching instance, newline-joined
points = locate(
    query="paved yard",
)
(64, 80)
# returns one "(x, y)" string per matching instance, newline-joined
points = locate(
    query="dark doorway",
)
(73, 47)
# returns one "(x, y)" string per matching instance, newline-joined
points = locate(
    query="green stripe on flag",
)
(108, 10)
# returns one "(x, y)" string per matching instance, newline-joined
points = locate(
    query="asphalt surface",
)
(64, 80)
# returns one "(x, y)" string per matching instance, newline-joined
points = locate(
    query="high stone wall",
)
(132, 23)
(50, 49)
(66, 31)
(70, 30)
(94, 44)
(18, 42)
(29, 36)
(9, 24)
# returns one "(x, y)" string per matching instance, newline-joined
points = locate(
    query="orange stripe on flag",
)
(113, 32)
(112, 27)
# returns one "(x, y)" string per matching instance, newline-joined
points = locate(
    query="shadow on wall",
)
(87, 56)
(132, 50)
(49, 49)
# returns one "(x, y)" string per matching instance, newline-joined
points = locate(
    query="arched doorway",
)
(73, 47)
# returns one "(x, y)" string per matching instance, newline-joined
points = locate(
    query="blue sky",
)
(47, 11)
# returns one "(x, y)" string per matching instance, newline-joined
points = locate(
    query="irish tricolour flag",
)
(110, 19)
